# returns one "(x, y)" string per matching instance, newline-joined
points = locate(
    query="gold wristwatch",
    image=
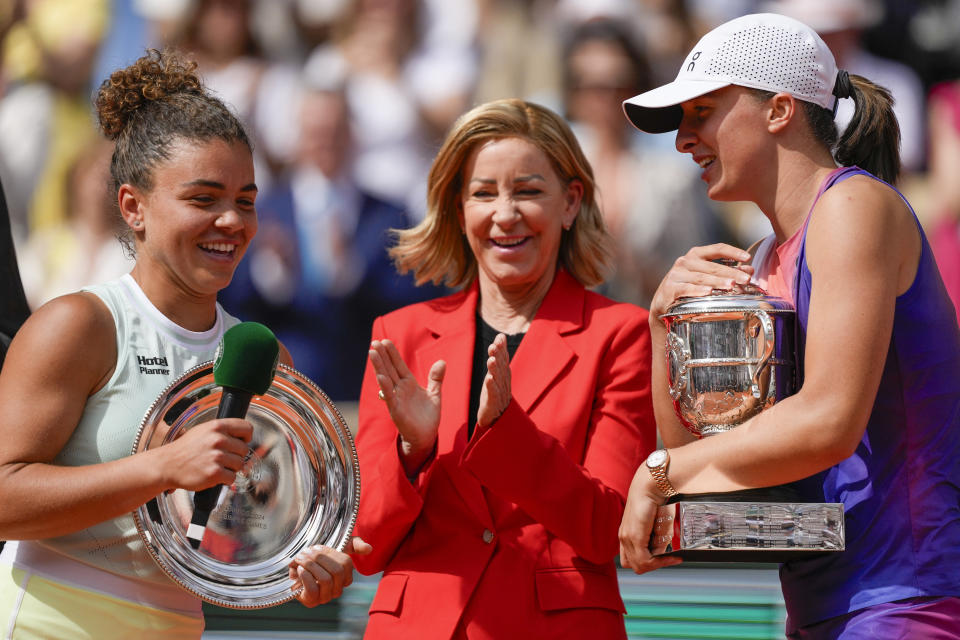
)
(657, 463)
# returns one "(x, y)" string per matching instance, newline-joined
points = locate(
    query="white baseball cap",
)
(764, 51)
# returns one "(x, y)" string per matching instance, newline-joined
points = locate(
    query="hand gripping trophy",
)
(730, 355)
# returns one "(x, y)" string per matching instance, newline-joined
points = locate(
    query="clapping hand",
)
(415, 410)
(495, 392)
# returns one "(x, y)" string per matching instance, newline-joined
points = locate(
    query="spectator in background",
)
(315, 20)
(403, 92)
(164, 21)
(220, 35)
(519, 48)
(82, 249)
(652, 201)
(925, 35)
(841, 24)
(668, 29)
(318, 273)
(11, 13)
(944, 127)
(45, 117)
(665, 29)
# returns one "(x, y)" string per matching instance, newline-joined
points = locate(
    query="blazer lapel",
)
(542, 357)
(543, 354)
(455, 332)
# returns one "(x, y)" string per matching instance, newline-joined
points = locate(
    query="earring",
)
(137, 223)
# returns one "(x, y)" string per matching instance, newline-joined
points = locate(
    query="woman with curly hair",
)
(183, 176)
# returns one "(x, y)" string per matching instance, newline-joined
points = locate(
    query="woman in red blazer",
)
(500, 426)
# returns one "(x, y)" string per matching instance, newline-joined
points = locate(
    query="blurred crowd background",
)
(347, 100)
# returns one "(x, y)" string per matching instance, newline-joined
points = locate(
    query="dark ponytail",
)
(872, 139)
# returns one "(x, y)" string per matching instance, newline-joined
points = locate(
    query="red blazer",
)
(514, 533)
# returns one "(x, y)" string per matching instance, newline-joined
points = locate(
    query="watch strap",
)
(660, 478)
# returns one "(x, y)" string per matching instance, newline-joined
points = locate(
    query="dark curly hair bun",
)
(152, 77)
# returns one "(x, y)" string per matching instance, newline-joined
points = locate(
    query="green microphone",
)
(244, 366)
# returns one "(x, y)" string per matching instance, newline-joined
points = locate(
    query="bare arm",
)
(64, 352)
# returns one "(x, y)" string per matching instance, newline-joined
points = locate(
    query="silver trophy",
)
(300, 486)
(730, 355)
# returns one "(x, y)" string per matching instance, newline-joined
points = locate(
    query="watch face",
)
(657, 458)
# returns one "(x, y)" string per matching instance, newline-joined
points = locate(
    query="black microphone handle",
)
(233, 404)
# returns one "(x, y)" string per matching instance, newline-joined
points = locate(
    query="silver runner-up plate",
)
(299, 486)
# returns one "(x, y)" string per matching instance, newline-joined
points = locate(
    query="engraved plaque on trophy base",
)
(751, 526)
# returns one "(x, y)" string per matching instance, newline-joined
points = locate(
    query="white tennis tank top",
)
(152, 351)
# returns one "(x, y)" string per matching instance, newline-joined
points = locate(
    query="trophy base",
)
(750, 526)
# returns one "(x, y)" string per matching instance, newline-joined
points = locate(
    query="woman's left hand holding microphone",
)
(415, 410)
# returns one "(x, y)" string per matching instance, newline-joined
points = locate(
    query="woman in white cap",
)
(876, 421)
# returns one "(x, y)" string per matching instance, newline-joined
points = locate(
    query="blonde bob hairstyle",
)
(436, 251)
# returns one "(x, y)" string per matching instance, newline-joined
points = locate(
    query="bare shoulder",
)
(862, 225)
(80, 314)
(74, 333)
(64, 352)
(861, 200)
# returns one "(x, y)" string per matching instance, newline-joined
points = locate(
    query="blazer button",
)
(487, 536)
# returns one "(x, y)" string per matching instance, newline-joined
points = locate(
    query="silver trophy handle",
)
(678, 357)
(766, 352)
